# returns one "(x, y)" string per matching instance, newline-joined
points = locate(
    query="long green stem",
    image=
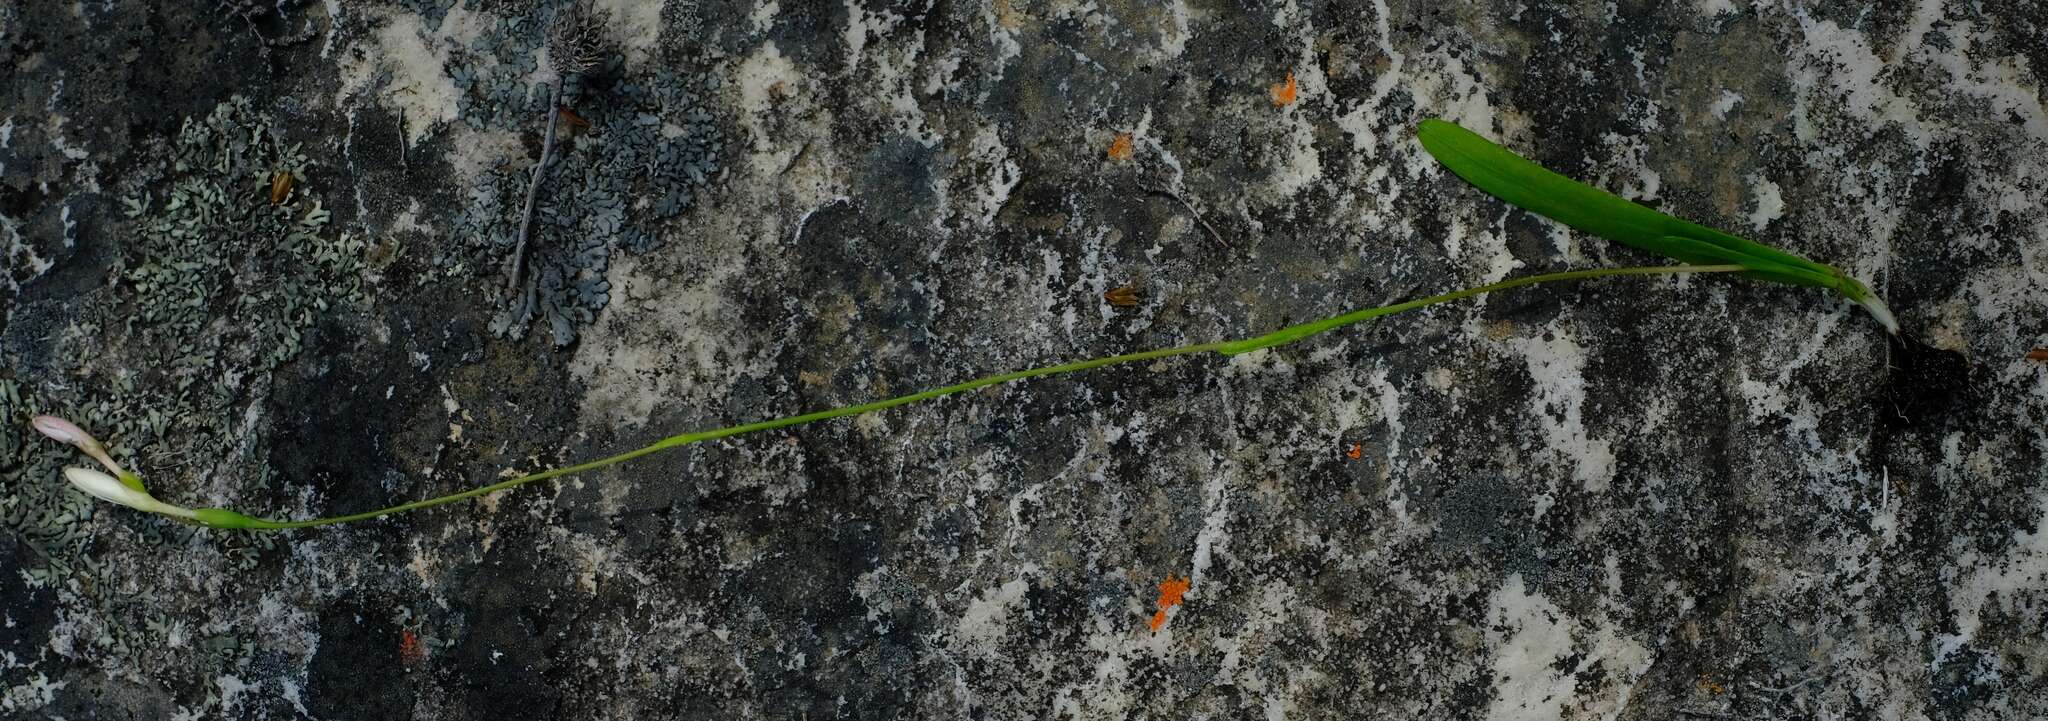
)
(1279, 337)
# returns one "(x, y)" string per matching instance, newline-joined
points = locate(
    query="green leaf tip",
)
(1537, 189)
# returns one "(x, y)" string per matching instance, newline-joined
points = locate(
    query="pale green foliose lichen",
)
(211, 289)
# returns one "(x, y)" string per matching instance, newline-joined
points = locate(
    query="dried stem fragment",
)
(547, 148)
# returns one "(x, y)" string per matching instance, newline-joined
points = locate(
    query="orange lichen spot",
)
(1170, 593)
(1354, 452)
(1121, 148)
(410, 650)
(1283, 93)
(1123, 297)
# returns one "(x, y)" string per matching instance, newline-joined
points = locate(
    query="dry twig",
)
(573, 47)
(1191, 211)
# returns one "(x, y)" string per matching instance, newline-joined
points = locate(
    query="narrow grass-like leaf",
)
(228, 519)
(1523, 183)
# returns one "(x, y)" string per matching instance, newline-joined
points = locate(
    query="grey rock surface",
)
(1701, 497)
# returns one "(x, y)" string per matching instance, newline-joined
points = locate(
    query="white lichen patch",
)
(417, 58)
(1001, 22)
(19, 253)
(1838, 66)
(591, 558)
(1269, 609)
(1214, 537)
(1928, 91)
(1725, 103)
(1556, 364)
(37, 692)
(992, 172)
(763, 16)
(627, 376)
(1298, 163)
(6, 139)
(53, 129)
(2015, 585)
(1173, 39)
(1629, 174)
(1361, 123)
(635, 25)
(1447, 88)
(1490, 252)
(1767, 204)
(890, 67)
(1107, 652)
(231, 689)
(1714, 8)
(1388, 403)
(1532, 639)
(987, 618)
(765, 80)
(1301, 164)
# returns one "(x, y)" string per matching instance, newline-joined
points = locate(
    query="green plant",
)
(1535, 188)
(108, 488)
(1486, 165)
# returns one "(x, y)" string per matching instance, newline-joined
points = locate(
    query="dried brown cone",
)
(576, 41)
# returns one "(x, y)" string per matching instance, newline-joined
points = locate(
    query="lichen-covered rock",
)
(1632, 499)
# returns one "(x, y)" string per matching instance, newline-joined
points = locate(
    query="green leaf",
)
(1532, 187)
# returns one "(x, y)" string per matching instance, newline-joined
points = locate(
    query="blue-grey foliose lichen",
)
(432, 11)
(632, 150)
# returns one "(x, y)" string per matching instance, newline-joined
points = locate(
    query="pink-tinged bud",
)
(63, 431)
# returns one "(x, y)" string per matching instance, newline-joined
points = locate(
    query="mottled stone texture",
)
(1634, 499)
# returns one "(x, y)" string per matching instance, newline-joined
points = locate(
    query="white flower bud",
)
(111, 489)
